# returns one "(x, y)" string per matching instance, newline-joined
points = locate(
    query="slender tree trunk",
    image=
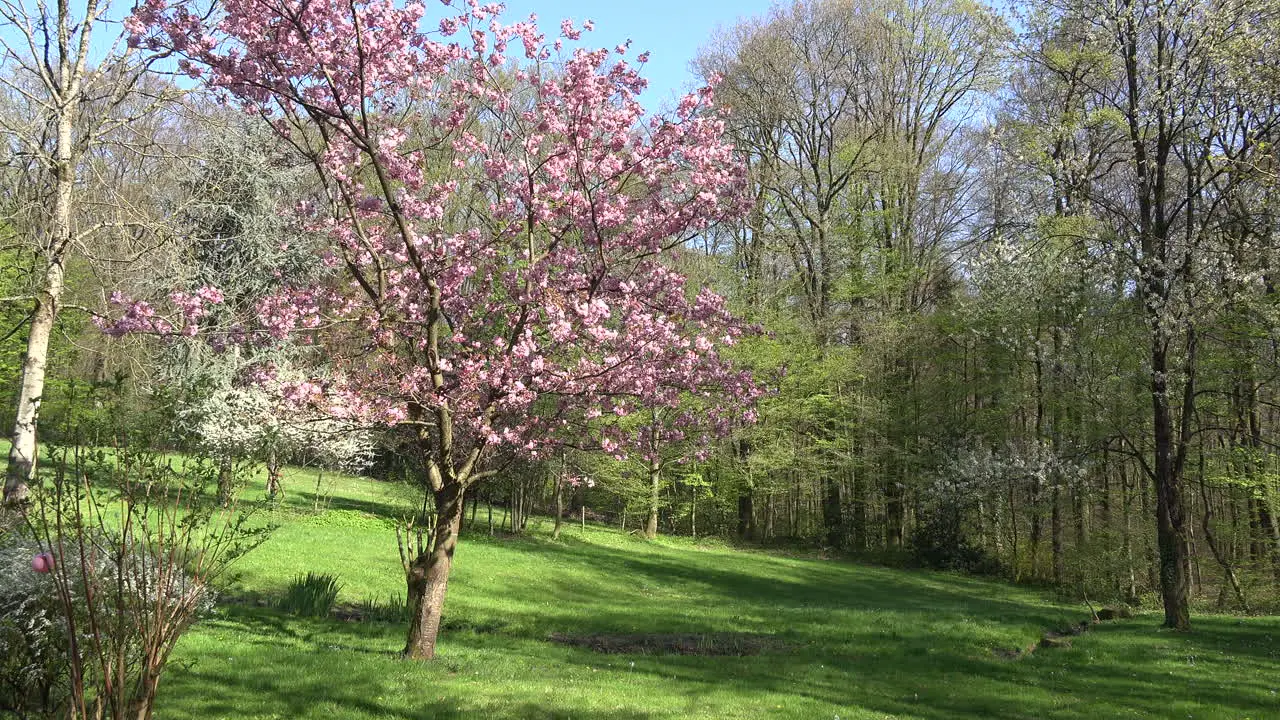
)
(746, 497)
(23, 448)
(1126, 500)
(655, 487)
(1206, 522)
(429, 575)
(895, 513)
(513, 505)
(559, 504)
(1055, 532)
(1033, 539)
(1016, 563)
(832, 515)
(746, 514)
(770, 512)
(226, 480)
(693, 514)
(274, 486)
(859, 507)
(1175, 583)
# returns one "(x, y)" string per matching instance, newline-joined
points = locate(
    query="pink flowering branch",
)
(140, 317)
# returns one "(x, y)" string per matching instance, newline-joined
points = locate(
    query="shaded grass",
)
(854, 641)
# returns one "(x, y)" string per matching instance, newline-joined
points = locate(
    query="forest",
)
(904, 286)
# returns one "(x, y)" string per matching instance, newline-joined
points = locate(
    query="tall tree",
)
(73, 85)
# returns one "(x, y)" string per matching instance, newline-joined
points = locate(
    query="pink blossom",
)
(558, 306)
(42, 563)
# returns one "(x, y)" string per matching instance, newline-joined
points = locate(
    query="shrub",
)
(311, 595)
(136, 543)
(939, 542)
(34, 668)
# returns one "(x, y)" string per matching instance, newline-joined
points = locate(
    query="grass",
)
(847, 641)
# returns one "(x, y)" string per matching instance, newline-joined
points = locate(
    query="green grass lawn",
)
(851, 641)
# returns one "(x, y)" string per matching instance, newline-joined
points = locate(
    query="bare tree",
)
(72, 85)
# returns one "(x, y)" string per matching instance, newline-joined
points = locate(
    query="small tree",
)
(503, 229)
(253, 419)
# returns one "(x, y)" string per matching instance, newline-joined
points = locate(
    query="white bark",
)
(22, 453)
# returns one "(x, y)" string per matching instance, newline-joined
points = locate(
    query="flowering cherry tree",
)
(505, 214)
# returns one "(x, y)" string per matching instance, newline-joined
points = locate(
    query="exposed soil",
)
(1061, 638)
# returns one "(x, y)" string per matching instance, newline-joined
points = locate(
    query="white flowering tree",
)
(240, 240)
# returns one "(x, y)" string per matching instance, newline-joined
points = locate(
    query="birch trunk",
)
(23, 448)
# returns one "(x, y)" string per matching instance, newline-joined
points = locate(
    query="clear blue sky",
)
(671, 30)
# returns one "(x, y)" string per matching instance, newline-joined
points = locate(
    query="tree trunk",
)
(559, 505)
(22, 452)
(770, 512)
(274, 486)
(226, 480)
(1170, 514)
(429, 575)
(832, 515)
(859, 522)
(655, 487)
(1126, 500)
(693, 514)
(746, 514)
(1224, 562)
(1055, 533)
(894, 514)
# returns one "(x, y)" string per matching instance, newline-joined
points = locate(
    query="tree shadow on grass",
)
(299, 693)
(808, 586)
(381, 508)
(863, 639)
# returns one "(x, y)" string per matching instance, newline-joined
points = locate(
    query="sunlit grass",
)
(853, 641)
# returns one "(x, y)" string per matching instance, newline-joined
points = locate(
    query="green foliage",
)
(939, 542)
(310, 595)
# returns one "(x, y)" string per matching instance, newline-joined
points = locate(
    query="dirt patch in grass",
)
(1062, 638)
(707, 644)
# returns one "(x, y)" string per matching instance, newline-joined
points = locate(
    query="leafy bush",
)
(311, 595)
(939, 542)
(33, 636)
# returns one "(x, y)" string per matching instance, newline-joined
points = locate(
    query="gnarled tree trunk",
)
(429, 575)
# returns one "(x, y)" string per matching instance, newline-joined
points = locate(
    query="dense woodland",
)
(1009, 280)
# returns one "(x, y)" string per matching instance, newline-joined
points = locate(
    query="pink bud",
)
(42, 563)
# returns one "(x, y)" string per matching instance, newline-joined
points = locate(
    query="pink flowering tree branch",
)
(505, 214)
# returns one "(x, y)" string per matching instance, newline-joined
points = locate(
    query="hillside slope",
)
(833, 640)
